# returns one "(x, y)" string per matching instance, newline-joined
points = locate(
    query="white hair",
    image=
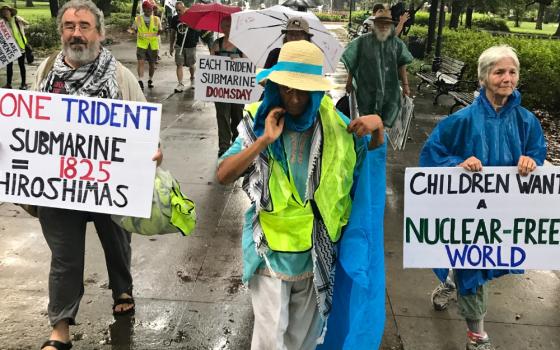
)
(87, 5)
(491, 56)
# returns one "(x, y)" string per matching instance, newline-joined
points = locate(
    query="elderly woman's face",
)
(294, 101)
(502, 78)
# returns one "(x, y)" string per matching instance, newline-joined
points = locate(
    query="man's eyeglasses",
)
(71, 27)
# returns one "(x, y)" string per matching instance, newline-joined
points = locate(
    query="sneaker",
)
(477, 342)
(180, 87)
(442, 294)
(150, 84)
(141, 83)
(7, 86)
(23, 87)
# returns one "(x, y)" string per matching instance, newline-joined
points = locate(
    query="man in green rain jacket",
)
(376, 62)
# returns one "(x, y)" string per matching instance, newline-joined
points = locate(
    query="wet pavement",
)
(188, 291)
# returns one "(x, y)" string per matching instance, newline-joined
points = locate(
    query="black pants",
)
(10, 70)
(65, 233)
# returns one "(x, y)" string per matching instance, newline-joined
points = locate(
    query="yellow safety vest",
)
(17, 34)
(147, 36)
(288, 226)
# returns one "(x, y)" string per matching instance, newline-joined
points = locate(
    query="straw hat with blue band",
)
(300, 66)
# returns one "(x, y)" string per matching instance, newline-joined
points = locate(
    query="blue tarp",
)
(357, 319)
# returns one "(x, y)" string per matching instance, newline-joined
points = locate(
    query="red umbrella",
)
(207, 16)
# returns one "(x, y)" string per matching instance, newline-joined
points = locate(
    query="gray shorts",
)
(146, 55)
(187, 57)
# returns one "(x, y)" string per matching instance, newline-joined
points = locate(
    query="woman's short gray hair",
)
(491, 56)
(83, 5)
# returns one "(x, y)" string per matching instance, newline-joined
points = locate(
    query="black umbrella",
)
(301, 5)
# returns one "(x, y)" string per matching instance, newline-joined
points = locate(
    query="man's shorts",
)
(187, 58)
(146, 55)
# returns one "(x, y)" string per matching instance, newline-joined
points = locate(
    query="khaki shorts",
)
(146, 55)
(186, 58)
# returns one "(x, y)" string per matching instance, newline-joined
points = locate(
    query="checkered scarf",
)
(95, 79)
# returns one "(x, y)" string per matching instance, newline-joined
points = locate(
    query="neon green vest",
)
(288, 227)
(18, 36)
(147, 36)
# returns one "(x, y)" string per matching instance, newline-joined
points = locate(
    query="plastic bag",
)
(172, 211)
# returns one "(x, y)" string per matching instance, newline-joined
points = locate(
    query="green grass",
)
(39, 9)
(529, 27)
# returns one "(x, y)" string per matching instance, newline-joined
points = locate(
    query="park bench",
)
(445, 75)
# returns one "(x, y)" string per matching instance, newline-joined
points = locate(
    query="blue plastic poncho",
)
(357, 318)
(496, 139)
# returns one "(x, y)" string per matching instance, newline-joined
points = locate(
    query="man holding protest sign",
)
(83, 68)
(493, 131)
(376, 64)
(14, 24)
(228, 114)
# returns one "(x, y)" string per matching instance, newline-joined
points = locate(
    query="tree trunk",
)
(105, 6)
(540, 16)
(557, 29)
(456, 9)
(53, 5)
(518, 14)
(468, 19)
(432, 25)
(28, 3)
(134, 9)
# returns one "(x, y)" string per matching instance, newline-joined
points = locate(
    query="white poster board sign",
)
(9, 49)
(493, 219)
(222, 79)
(399, 132)
(78, 153)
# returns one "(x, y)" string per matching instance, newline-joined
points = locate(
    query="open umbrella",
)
(256, 33)
(300, 4)
(207, 16)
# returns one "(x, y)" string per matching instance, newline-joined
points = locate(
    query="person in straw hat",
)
(15, 25)
(298, 156)
(376, 63)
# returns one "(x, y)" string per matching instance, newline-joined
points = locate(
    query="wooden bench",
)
(445, 75)
(461, 99)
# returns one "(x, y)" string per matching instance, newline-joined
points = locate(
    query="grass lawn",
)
(40, 9)
(529, 27)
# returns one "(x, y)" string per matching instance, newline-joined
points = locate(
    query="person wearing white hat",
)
(299, 156)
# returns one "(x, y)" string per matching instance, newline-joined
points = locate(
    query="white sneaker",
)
(180, 87)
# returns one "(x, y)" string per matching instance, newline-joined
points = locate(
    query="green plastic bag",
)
(172, 211)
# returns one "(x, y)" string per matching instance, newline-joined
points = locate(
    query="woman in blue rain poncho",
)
(494, 131)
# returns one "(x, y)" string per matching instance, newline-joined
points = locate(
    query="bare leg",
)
(140, 69)
(151, 69)
(60, 332)
(180, 73)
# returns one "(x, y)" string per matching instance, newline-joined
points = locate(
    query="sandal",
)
(57, 345)
(120, 301)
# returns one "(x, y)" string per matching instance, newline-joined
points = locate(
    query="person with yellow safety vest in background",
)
(148, 28)
(299, 157)
(15, 25)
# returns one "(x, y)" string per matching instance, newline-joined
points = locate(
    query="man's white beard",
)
(381, 36)
(81, 56)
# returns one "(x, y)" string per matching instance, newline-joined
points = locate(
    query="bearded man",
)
(83, 68)
(376, 64)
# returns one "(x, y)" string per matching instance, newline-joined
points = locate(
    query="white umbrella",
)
(256, 33)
